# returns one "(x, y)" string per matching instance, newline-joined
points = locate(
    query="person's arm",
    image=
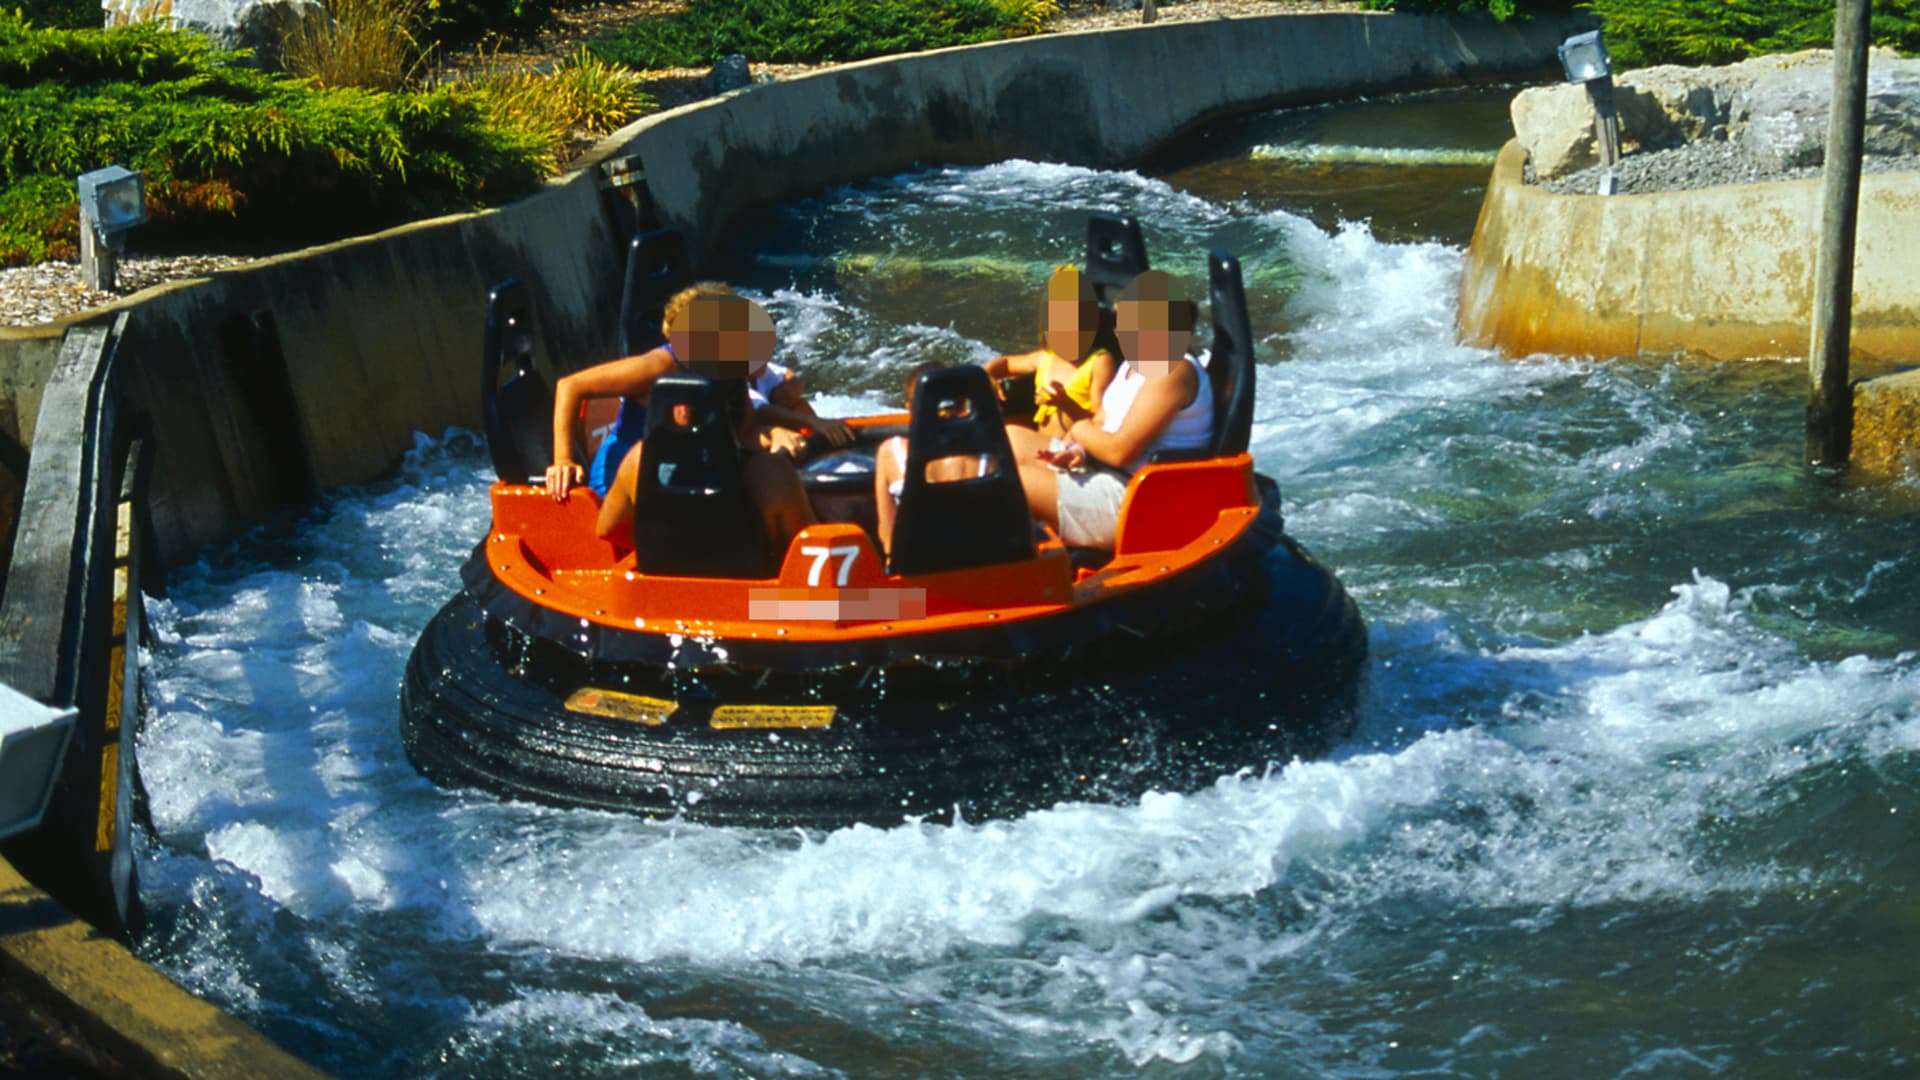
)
(629, 376)
(787, 406)
(1012, 364)
(1153, 410)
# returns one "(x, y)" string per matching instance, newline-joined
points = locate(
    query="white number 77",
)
(846, 553)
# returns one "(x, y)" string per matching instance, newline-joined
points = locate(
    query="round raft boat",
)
(985, 669)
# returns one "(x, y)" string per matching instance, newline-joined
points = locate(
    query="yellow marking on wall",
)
(615, 705)
(116, 686)
(772, 716)
(109, 796)
(120, 600)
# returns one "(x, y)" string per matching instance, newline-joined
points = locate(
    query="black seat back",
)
(1116, 254)
(692, 513)
(1231, 368)
(959, 524)
(657, 267)
(516, 404)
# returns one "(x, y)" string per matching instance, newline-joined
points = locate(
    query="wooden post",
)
(1829, 392)
(1149, 11)
(99, 263)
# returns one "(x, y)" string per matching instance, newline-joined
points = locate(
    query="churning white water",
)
(1633, 792)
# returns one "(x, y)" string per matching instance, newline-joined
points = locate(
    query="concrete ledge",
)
(1886, 425)
(112, 1002)
(1724, 273)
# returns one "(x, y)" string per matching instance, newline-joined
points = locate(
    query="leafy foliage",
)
(583, 95)
(467, 22)
(1642, 32)
(801, 31)
(62, 14)
(232, 157)
(1499, 9)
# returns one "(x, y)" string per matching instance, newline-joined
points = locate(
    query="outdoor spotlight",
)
(33, 742)
(112, 200)
(1585, 57)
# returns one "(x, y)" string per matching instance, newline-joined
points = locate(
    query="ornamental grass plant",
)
(368, 43)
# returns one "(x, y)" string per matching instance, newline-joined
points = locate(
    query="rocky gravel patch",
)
(1700, 165)
(32, 295)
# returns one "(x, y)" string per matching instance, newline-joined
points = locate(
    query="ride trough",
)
(984, 670)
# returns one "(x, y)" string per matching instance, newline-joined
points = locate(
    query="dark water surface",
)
(1633, 792)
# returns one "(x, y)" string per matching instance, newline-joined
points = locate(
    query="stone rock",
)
(259, 25)
(1774, 107)
(1780, 119)
(1555, 124)
(729, 73)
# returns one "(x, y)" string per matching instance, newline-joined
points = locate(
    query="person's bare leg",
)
(1026, 443)
(1042, 485)
(886, 469)
(616, 510)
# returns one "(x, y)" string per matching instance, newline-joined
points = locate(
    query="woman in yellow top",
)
(1067, 359)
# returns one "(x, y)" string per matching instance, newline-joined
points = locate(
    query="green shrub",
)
(232, 157)
(62, 14)
(470, 22)
(807, 31)
(1643, 32)
(1499, 9)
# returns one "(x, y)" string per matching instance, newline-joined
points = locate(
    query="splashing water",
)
(1633, 789)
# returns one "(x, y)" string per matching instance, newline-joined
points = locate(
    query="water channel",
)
(1633, 792)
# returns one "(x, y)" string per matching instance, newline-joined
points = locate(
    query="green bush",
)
(1499, 9)
(470, 22)
(1643, 32)
(62, 14)
(807, 31)
(232, 157)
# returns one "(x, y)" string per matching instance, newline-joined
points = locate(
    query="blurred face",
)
(723, 336)
(1147, 335)
(1071, 315)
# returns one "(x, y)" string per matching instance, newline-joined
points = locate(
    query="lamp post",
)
(112, 200)
(1584, 56)
(33, 742)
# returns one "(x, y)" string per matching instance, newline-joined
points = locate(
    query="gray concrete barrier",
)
(1723, 273)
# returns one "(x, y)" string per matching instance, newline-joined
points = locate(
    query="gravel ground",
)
(1699, 165)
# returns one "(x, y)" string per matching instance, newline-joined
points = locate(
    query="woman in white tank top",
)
(1161, 400)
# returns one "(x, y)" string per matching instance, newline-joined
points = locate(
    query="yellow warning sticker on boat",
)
(618, 706)
(772, 716)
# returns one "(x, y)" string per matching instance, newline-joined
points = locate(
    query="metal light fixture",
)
(1584, 56)
(112, 200)
(33, 743)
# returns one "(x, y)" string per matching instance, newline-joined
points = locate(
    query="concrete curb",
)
(1722, 273)
(111, 1001)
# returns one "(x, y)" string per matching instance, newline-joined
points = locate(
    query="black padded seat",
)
(1230, 368)
(693, 515)
(959, 524)
(516, 404)
(657, 267)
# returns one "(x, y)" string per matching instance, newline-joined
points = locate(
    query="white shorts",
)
(1089, 506)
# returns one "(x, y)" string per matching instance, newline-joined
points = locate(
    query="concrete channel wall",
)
(1722, 273)
(381, 335)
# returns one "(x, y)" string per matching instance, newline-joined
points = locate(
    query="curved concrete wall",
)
(381, 335)
(1724, 272)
